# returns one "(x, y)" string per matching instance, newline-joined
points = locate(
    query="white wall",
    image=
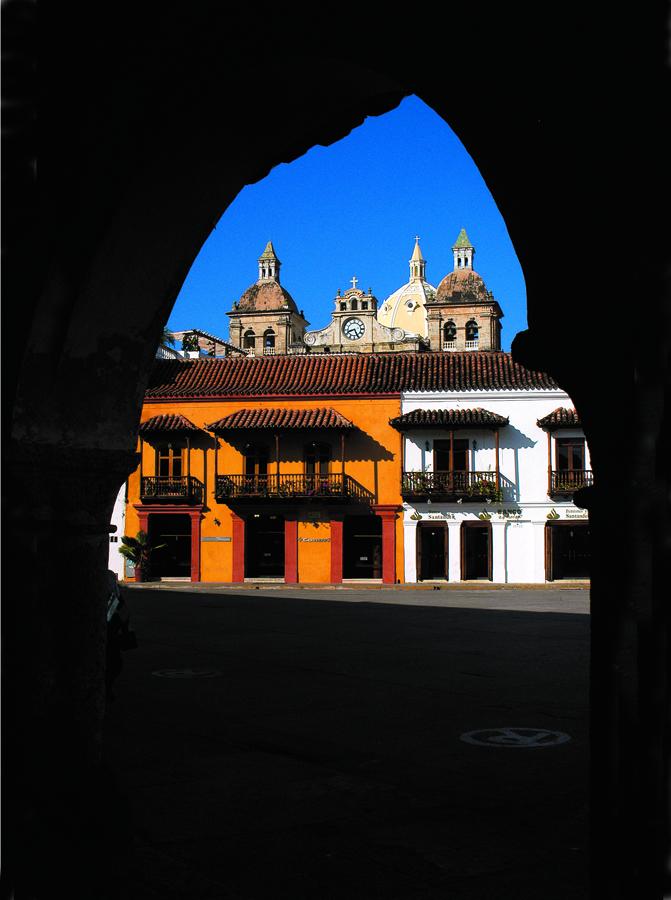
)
(116, 560)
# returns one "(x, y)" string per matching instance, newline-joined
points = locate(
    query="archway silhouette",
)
(145, 134)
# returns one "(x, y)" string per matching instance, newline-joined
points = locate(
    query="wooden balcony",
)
(471, 486)
(564, 482)
(335, 487)
(182, 489)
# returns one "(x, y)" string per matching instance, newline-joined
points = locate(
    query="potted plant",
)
(138, 550)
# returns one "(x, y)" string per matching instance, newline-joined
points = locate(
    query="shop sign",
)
(303, 540)
(577, 514)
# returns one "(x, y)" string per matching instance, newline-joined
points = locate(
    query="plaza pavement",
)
(307, 744)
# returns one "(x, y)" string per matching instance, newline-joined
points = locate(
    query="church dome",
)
(266, 295)
(460, 285)
(406, 307)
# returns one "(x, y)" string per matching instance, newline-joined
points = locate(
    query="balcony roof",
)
(172, 422)
(560, 418)
(281, 420)
(448, 418)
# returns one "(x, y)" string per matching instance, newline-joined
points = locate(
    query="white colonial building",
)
(488, 482)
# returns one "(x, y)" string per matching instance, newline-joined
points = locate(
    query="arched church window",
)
(472, 333)
(249, 340)
(354, 304)
(269, 338)
(343, 306)
(364, 304)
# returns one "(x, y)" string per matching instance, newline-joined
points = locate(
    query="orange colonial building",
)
(279, 468)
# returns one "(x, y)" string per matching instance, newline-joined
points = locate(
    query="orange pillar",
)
(387, 513)
(336, 550)
(238, 541)
(290, 551)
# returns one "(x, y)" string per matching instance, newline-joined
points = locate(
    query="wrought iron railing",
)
(458, 484)
(566, 481)
(184, 488)
(292, 486)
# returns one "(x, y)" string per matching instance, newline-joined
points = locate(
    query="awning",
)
(281, 420)
(560, 418)
(448, 418)
(172, 422)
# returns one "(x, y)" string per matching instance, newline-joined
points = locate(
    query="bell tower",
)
(265, 321)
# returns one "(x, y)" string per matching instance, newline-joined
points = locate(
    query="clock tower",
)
(354, 327)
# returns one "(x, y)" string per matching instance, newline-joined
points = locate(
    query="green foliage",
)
(138, 550)
(190, 342)
(168, 338)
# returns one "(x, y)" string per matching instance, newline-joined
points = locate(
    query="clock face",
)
(354, 329)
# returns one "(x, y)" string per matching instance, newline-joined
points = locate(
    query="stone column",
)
(59, 503)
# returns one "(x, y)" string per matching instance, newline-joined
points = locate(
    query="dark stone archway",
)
(125, 146)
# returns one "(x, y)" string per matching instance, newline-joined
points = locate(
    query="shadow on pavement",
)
(282, 747)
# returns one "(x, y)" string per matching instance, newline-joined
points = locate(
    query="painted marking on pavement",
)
(529, 738)
(186, 673)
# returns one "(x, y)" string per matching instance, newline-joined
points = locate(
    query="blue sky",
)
(353, 209)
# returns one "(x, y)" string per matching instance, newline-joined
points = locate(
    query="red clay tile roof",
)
(281, 419)
(171, 422)
(326, 374)
(560, 418)
(448, 418)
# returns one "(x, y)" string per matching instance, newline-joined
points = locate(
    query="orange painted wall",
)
(372, 458)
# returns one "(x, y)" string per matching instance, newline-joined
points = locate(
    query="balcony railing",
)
(449, 345)
(567, 481)
(181, 489)
(472, 345)
(451, 485)
(290, 487)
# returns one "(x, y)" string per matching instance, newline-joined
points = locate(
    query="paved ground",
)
(315, 750)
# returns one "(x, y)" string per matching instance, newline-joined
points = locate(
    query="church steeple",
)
(417, 263)
(269, 264)
(463, 251)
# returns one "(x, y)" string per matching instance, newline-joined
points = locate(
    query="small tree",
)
(168, 338)
(138, 550)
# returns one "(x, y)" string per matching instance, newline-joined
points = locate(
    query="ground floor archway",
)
(568, 550)
(362, 547)
(264, 546)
